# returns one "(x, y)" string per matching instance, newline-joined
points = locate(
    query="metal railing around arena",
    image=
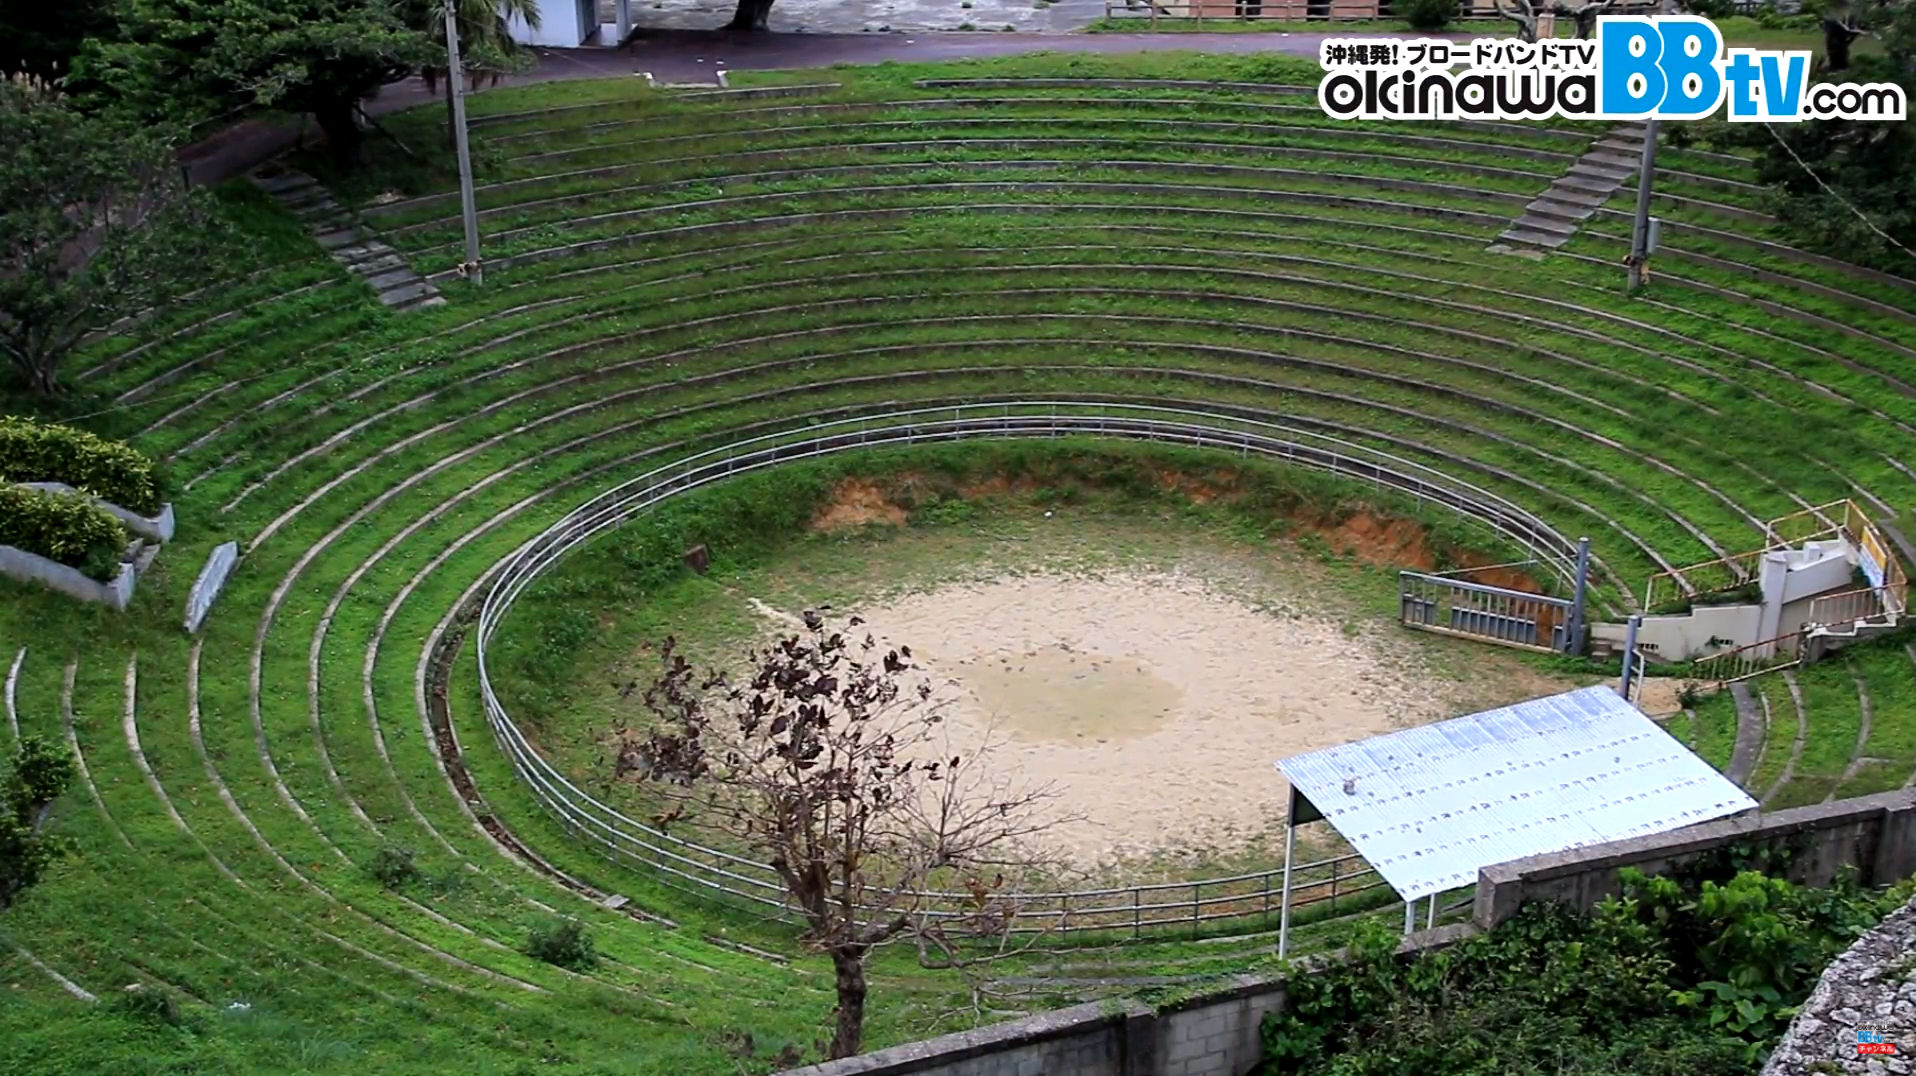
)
(1133, 910)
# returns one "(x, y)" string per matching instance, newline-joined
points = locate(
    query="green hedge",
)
(36, 452)
(62, 528)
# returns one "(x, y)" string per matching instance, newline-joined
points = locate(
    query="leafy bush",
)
(1430, 14)
(394, 867)
(62, 528)
(562, 943)
(149, 1006)
(40, 452)
(1667, 980)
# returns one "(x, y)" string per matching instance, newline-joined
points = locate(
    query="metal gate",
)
(1491, 614)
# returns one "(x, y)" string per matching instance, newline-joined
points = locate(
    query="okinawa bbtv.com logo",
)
(1873, 1041)
(1672, 67)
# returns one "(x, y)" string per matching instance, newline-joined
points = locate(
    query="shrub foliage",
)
(1430, 14)
(42, 452)
(1670, 979)
(62, 528)
(563, 943)
(38, 775)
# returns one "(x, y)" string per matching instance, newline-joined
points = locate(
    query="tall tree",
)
(96, 223)
(38, 776)
(41, 39)
(828, 761)
(1848, 187)
(750, 16)
(487, 51)
(194, 58)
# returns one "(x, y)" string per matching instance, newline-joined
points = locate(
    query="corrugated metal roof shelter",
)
(1429, 806)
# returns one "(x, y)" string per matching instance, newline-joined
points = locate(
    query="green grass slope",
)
(666, 269)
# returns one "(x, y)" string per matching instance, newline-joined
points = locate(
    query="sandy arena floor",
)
(1153, 705)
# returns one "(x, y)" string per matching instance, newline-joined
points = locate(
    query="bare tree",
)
(1586, 16)
(1525, 13)
(835, 768)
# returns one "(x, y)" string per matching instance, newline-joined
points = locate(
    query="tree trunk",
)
(750, 16)
(41, 376)
(850, 983)
(1836, 41)
(335, 118)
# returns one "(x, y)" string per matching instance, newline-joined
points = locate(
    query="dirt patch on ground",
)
(856, 503)
(997, 486)
(1155, 705)
(1197, 490)
(1663, 695)
(1388, 542)
(1377, 540)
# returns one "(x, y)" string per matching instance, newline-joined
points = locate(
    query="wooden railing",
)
(1822, 521)
(1842, 519)
(1701, 580)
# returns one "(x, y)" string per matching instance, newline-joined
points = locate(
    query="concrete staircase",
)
(1548, 222)
(350, 243)
(1827, 637)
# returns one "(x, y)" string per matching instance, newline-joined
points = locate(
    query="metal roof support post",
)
(1629, 653)
(1284, 902)
(1430, 919)
(1410, 916)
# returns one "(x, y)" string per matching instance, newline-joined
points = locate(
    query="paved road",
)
(694, 56)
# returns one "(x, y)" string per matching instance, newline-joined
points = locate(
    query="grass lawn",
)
(666, 275)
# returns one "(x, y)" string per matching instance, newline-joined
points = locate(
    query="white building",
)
(568, 24)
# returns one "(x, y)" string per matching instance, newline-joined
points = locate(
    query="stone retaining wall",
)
(1871, 986)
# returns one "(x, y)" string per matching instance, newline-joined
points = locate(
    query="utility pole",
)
(455, 73)
(1640, 238)
(1573, 630)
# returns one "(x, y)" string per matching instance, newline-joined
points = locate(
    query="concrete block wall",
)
(1874, 834)
(1084, 1040)
(1214, 1033)
(1217, 1033)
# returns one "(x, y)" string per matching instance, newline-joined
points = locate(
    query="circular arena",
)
(687, 290)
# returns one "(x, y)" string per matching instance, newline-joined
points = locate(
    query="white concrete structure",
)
(1790, 580)
(568, 24)
(159, 528)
